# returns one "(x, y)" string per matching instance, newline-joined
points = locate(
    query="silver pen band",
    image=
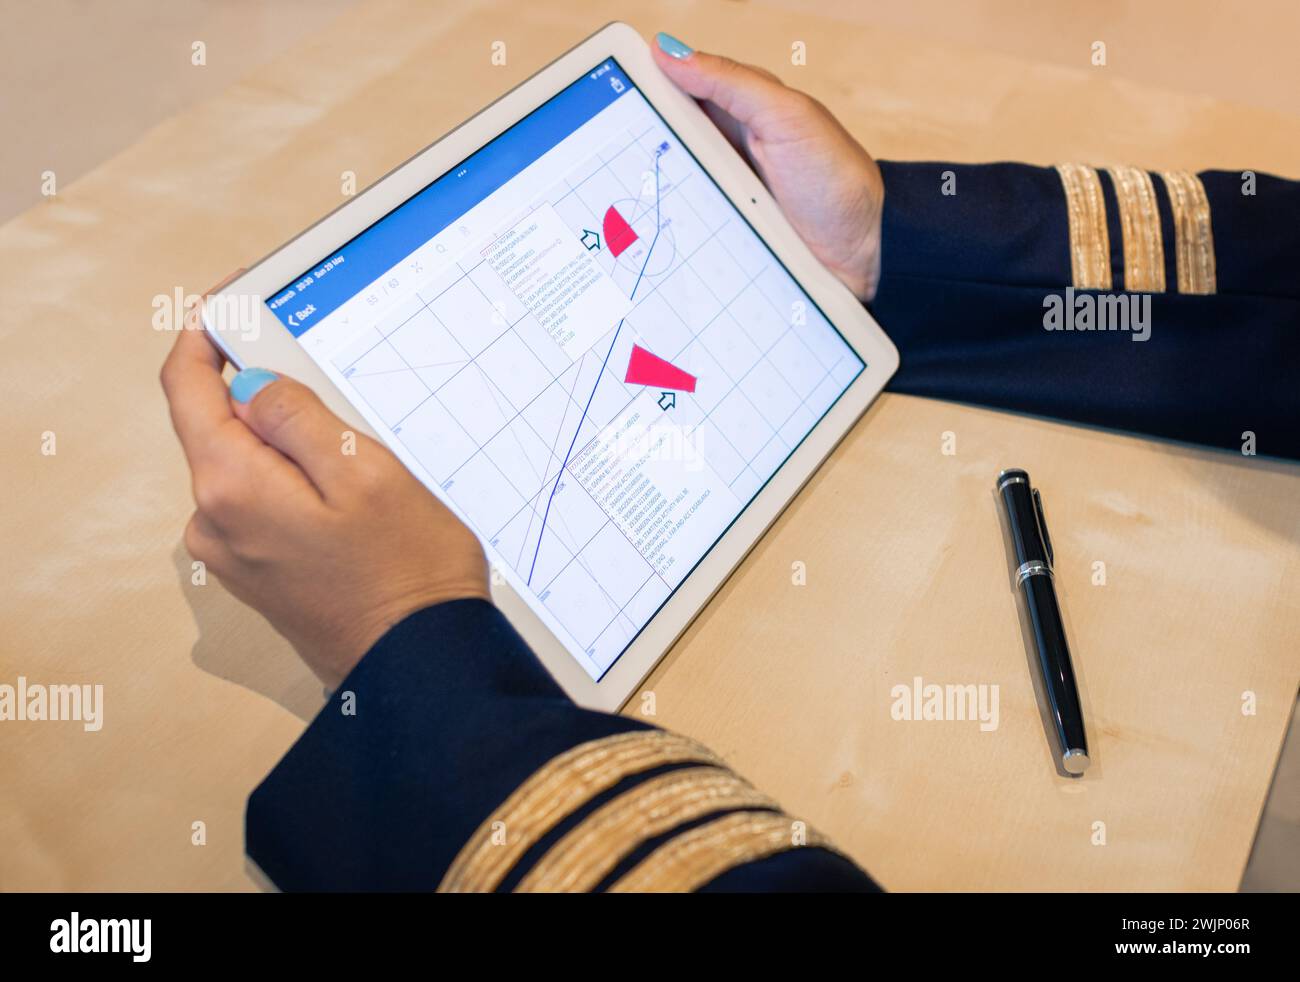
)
(1011, 479)
(1035, 567)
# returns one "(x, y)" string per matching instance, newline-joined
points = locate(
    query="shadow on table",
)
(1233, 487)
(1274, 513)
(237, 644)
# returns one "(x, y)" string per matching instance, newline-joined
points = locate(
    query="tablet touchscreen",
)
(577, 342)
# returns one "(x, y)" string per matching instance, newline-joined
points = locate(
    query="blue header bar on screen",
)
(339, 277)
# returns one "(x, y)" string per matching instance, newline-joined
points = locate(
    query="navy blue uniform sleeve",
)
(449, 758)
(1162, 303)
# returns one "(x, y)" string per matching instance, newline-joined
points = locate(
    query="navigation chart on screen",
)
(598, 366)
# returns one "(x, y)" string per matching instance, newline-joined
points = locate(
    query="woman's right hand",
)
(826, 183)
(319, 528)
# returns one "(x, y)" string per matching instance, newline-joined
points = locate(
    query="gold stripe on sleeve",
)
(1139, 216)
(587, 854)
(1194, 237)
(554, 791)
(1089, 240)
(688, 861)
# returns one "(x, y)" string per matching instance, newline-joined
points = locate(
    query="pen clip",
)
(1041, 518)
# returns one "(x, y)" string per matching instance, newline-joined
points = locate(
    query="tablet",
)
(584, 324)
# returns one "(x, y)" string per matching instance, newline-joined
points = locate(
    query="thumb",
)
(746, 93)
(291, 418)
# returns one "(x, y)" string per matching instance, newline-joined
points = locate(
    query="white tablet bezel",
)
(267, 343)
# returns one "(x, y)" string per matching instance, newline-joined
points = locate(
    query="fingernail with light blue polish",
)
(250, 382)
(669, 45)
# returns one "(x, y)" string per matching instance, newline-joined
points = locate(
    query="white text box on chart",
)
(555, 277)
(647, 475)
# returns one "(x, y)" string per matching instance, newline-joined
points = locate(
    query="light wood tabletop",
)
(889, 566)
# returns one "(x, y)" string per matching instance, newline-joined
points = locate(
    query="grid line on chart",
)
(649, 252)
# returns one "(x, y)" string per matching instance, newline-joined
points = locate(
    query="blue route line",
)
(599, 376)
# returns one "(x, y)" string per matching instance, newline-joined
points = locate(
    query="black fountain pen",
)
(1033, 571)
